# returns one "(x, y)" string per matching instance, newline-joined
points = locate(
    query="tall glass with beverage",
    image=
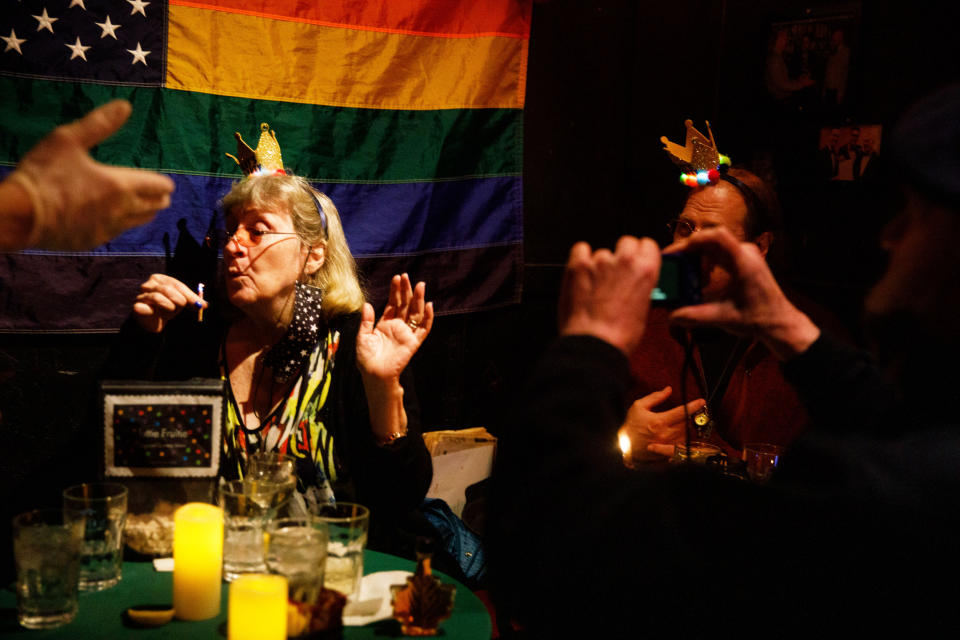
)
(249, 506)
(347, 525)
(46, 549)
(297, 549)
(102, 508)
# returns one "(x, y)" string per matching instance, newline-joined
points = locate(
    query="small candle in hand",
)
(197, 560)
(258, 608)
(199, 303)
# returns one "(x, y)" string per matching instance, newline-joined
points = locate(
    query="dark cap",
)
(924, 146)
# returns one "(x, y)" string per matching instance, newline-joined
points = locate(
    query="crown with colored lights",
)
(262, 160)
(702, 164)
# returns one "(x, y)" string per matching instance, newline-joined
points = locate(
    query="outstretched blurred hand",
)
(753, 305)
(77, 202)
(607, 295)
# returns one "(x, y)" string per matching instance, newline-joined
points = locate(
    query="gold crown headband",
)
(266, 160)
(702, 164)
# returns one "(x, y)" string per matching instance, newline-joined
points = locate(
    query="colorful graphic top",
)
(295, 427)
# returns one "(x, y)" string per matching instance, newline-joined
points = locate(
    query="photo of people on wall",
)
(809, 63)
(848, 152)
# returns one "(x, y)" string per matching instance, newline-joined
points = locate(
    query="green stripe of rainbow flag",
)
(324, 144)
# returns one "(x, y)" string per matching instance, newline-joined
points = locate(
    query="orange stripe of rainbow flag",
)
(216, 50)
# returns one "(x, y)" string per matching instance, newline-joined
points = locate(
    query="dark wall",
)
(606, 79)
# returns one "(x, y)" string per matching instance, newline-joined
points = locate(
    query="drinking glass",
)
(699, 452)
(297, 550)
(46, 550)
(347, 525)
(761, 459)
(248, 507)
(270, 465)
(102, 509)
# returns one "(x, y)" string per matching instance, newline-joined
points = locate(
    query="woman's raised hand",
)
(384, 349)
(161, 298)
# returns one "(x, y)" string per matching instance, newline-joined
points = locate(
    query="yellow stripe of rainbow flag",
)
(225, 53)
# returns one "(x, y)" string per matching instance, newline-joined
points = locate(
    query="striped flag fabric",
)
(407, 113)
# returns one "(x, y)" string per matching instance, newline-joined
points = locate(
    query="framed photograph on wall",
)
(811, 60)
(849, 152)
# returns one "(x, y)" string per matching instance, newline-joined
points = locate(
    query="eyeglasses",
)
(682, 228)
(244, 237)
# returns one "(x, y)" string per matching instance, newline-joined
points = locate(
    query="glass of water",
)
(248, 509)
(266, 467)
(270, 465)
(297, 550)
(102, 508)
(46, 549)
(347, 525)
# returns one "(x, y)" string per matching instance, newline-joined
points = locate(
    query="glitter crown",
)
(264, 159)
(698, 157)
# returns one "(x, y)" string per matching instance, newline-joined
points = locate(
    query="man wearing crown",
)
(735, 391)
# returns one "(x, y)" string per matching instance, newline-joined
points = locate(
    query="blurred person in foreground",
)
(857, 531)
(310, 371)
(60, 198)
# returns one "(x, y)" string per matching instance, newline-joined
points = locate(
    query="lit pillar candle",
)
(197, 561)
(257, 608)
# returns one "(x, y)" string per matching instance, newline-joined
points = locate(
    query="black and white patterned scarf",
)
(288, 356)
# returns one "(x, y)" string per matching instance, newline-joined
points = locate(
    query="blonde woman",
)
(309, 372)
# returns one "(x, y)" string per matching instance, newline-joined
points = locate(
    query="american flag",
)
(107, 42)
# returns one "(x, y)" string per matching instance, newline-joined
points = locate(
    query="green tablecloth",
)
(101, 613)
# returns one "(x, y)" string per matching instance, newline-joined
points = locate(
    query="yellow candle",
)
(197, 560)
(258, 608)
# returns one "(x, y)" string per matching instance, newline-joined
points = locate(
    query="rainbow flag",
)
(407, 113)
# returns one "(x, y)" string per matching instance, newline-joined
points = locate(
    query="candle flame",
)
(624, 443)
